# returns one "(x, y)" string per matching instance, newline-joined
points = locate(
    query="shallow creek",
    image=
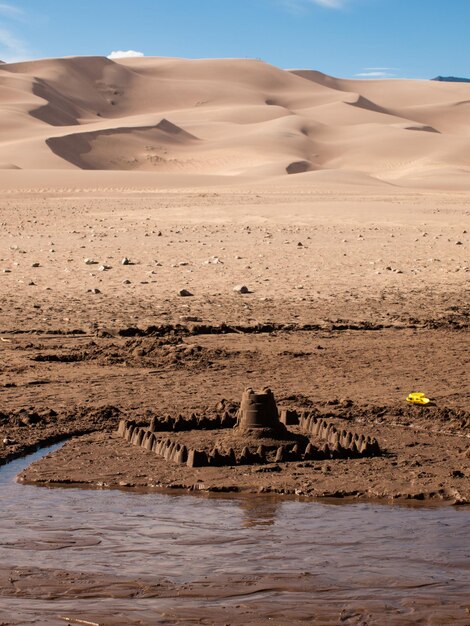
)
(147, 558)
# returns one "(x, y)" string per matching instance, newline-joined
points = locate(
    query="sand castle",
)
(258, 413)
(255, 434)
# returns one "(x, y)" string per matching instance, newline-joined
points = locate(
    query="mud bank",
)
(415, 465)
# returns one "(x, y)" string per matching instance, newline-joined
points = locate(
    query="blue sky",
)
(347, 38)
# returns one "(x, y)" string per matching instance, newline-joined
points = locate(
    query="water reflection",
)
(258, 511)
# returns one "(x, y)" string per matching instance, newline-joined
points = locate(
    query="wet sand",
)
(425, 448)
(413, 463)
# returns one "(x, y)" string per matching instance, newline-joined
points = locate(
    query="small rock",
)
(36, 264)
(8, 442)
(104, 268)
(184, 293)
(214, 260)
(458, 243)
(126, 282)
(241, 289)
(190, 318)
(90, 262)
(7, 271)
(125, 261)
(94, 291)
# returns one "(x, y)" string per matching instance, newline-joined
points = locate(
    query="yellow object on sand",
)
(417, 398)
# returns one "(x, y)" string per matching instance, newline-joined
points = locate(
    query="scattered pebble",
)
(125, 261)
(190, 318)
(184, 293)
(241, 289)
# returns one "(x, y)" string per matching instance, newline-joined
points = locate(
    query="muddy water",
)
(110, 557)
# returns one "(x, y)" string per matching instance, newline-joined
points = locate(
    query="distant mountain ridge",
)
(451, 79)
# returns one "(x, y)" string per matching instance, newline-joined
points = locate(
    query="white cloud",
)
(300, 6)
(12, 49)
(330, 4)
(10, 10)
(374, 74)
(125, 54)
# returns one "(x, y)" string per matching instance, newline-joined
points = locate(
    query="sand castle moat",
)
(258, 433)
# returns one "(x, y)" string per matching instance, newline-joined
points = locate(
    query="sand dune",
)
(231, 118)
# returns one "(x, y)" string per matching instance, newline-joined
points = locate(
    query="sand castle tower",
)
(258, 413)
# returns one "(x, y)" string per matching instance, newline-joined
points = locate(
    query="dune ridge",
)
(231, 118)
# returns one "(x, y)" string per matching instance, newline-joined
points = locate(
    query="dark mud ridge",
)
(456, 319)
